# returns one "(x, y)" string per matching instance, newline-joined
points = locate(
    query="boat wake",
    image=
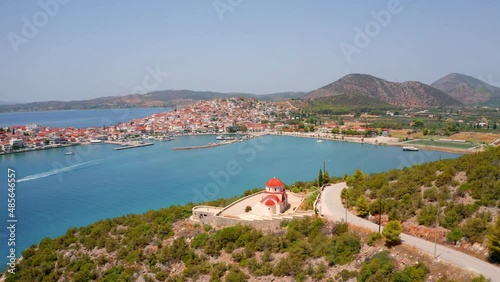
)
(58, 171)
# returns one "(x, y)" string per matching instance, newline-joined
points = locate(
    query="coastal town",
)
(247, 116)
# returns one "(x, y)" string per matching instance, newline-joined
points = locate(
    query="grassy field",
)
(448, 144)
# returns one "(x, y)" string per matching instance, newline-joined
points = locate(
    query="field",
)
(448, 144)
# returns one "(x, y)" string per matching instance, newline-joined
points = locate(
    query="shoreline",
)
(377, 141)
(42, 148)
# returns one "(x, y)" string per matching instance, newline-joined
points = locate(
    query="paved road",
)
(331, 207)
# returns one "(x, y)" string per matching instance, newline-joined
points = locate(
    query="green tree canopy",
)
(362, 206)
(392, 231)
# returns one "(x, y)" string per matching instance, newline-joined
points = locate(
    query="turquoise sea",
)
(77, 118)
(55, 191)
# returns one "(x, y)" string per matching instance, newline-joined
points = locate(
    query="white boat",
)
(222, 137)
(320, 141)
(409, 148)
(95, 141)
(69, 153)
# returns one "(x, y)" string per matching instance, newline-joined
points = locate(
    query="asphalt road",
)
(330, 206)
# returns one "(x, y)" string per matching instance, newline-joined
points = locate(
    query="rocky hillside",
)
(406, 94)
(464, 194)
(468, 90)
(166, 98)
(159, 246)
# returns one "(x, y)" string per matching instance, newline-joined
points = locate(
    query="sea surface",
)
(77, 118)
(56, 191)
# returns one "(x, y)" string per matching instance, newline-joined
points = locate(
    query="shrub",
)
(411, 273)
(391, 232)
(373, 237)
(378, 268)
(236, 275)
(248, 208)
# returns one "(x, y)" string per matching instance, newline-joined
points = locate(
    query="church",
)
(274, 198)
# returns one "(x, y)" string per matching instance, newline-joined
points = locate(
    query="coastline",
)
(48, 147)
(379, 141)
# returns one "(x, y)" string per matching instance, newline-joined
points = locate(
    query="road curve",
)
(330, 206)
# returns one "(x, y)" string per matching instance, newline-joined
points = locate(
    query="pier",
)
(204, 146)
(131, 146)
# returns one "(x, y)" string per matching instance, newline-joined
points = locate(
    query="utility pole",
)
(379, 214)
(346, 203)
(435, 233)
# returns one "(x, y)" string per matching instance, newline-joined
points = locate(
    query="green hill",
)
(464, 194)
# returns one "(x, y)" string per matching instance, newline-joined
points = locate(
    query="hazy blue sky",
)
(87, 49)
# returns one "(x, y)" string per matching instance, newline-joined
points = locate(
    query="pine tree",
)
(326, 177)
(362, 206)
(493, 240)
(391, 232)
(320, 177)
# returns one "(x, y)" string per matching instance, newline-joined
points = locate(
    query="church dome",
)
(274, 182)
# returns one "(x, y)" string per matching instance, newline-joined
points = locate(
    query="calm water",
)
(77, 118)
(56, 192)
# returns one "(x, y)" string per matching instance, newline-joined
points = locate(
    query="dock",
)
(131, 146)
(211, 145)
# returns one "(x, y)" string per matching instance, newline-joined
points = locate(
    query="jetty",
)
(210, 145)
(131, 146)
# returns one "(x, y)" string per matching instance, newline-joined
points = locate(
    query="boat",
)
(164, 139)
(95, 141)
(320, 141)
(409, 148)
(222, 137)
(69, 153)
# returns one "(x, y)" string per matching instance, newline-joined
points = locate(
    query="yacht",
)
(409, 148)
(95, 141)
(69, 153)
(320, 141)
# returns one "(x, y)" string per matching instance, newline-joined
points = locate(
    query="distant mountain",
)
(166, 98)
(406, 94)
(352, 99)
(468, 90)
(344, 104)
(7, 103)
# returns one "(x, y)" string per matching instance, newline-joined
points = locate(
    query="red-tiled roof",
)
(274, 182)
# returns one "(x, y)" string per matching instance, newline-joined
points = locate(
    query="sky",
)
(74, 50)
